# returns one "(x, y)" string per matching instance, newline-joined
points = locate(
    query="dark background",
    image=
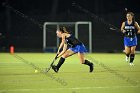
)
(25, 34)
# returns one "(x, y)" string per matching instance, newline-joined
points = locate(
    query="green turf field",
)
(111, 75)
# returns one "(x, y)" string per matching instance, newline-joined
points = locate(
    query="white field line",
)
(74, 88)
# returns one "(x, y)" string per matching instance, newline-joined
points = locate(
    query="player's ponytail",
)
(63, 30)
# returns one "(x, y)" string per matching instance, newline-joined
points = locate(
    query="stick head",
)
(112, 28)
(46, 70)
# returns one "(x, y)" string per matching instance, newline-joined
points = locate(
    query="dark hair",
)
(63, 30)
(132, 14)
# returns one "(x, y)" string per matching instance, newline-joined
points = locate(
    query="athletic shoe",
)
(126, 59)
(131, 64)
(54, 68)
(91, 67)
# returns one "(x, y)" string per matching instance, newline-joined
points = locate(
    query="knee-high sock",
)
(127, 54)
(87, 63)
(61, 61)
(132, 56)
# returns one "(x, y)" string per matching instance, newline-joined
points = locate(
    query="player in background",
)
(130, 28)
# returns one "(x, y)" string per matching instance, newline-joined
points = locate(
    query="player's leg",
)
(127, 52)
(62, 59)
(86, 62)
(132, 55)
(81, 57)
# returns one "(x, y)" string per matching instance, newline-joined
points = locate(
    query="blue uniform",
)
(130, 38)
(75, 45)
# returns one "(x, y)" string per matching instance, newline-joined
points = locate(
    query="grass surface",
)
(111, 74)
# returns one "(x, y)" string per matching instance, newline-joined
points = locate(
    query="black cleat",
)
(91, 67)
(54, 68)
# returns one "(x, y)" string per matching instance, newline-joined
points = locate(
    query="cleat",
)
(54, 68)
(91, 67)
(131, 64)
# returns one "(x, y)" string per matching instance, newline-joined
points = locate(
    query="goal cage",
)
(81, 30)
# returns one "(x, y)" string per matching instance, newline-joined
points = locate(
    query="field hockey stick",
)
(47, 69)
(112, 27)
